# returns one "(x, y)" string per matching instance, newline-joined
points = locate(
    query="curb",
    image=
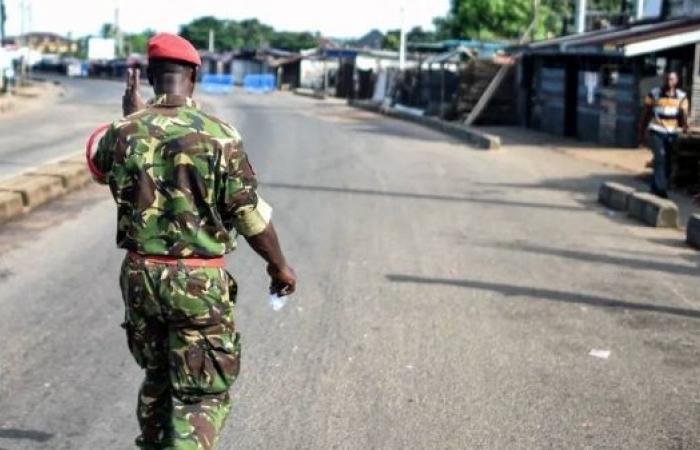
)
(653, 210)
(11, 206)
(615, 196)
(41, 90)
(470, 135)
(72, 176)
(6, 104)
(25, 192)
(309, 93)
(642, 206)
(693, 232)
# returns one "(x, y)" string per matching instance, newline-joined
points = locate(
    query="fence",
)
(260, 83)
(217, 84)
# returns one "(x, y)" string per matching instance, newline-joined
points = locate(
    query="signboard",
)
(101, 49)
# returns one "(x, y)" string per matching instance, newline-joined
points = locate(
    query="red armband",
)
(90, 154)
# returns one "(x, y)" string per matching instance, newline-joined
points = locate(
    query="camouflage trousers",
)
(180, 330)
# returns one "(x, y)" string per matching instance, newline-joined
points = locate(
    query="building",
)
(682, 8)
(46, 43)
(592, 85)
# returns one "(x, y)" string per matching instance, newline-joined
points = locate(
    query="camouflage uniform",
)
(184, 188)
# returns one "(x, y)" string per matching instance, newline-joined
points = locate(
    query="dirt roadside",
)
(26, 99)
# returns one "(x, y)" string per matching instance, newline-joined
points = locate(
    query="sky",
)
(334, 18)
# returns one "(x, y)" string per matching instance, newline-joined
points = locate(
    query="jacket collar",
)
(174, 101)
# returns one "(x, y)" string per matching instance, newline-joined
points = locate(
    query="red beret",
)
(170, 46)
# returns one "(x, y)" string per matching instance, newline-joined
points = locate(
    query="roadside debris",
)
(602, 354)
(277, 302)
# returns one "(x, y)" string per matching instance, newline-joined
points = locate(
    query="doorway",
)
(571, 100)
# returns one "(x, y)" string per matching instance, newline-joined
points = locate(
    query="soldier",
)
(184, 189)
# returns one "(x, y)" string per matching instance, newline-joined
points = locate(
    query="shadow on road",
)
(588, 186)
(29, 435)
(402, 132)
(515, 135)
(583, 185)
(510, 290)
(416, 196)
(638, 264)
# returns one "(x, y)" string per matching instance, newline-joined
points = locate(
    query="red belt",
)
(215, 263)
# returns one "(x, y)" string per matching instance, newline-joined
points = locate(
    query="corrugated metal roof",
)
(485, 49)
(616, 40)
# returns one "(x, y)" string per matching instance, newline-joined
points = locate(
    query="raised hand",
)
(132, 101)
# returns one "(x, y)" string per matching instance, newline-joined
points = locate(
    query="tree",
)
(252, 32)
(248, 33)
(508, 19)
(108, 31)
(497, 19)
(293, 41)
(197, 32)
(392, 39)
(611, 6)
(138, 43)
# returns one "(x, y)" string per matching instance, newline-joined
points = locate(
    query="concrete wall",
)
(312, 72)
(683, 8)
(242, 67)
(607, 102)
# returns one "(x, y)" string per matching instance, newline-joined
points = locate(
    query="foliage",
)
(138, 43)
(133, 42)
(508, 19)
(108, 31)
(249, 33)
(613, 6)
(392, 39)
(294, 41)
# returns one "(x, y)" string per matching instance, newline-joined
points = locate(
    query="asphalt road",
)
(58, 128)
(449, 299)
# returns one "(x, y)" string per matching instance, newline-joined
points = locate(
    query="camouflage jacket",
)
(182, 183)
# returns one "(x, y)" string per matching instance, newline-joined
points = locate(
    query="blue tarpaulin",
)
(217, 84)
(260, 83)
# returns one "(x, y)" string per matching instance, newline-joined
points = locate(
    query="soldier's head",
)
(173, 63)
(168, 76)
(671, 80)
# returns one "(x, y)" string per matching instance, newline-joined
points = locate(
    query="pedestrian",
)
(665, 117)
(184, 190)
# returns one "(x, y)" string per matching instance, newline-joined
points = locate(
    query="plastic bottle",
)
(277, 302)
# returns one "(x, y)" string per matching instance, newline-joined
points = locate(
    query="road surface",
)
(449, 299)
(58, 128)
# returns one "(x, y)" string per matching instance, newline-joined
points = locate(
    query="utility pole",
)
(402, 48)
(22, 19)
(640, 10)
(3, 19)
(118, 30)
(581, 8)
(25, 10)
(212, 39)
(535, 18)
